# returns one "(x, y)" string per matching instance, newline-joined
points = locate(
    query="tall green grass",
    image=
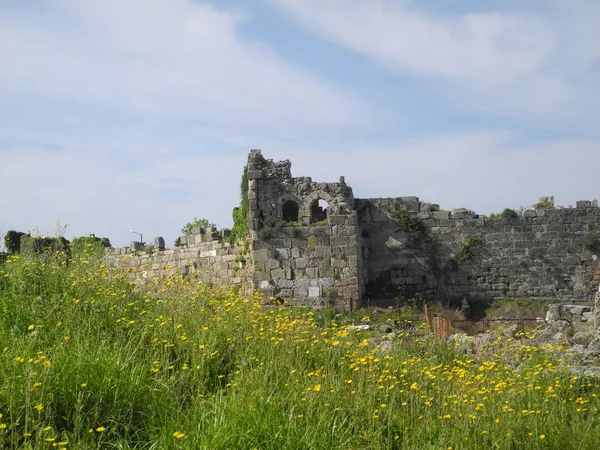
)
(91, 359)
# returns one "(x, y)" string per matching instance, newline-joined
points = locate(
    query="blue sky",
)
(120, 114)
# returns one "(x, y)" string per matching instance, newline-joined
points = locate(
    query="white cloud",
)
(179, 57)
(486, 171)
(88, 192)
(529, 65)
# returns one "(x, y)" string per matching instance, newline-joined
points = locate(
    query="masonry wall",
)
(541, 254)
(352, 250)
(314, 266)
(311, 259)
(220, 264)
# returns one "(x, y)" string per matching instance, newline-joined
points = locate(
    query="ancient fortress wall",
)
(314, 244)
(302, 252)
(213, 262)
(547, 253)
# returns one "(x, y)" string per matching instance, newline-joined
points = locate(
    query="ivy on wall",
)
(239, 232)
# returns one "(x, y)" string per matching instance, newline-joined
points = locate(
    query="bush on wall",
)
(189, 227)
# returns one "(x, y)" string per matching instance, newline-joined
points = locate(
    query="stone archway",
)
(290, 211)
(319, 205)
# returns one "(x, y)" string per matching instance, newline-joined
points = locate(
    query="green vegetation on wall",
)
(239, 232)
(408, 222)
(545, 203)
(465, 252)
(506, 213)
(87, 245)
(590, 242)
(31, 245)
(189, 227)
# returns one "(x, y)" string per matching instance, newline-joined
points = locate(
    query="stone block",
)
(254, 174)
(260, 276)
(272, 264)
(337, 220)
(338, 263)
(299, 243)
(260, 255)
(314, 291)
(440, 215)
(282, 253)
(347, 230)
(325, 272)
(312, 272)
(264, 284)
(326, 282)
(341, 240)
(285, 283)
(448, 223)
(302, 263)
(277, 274)
(159, 243)
(300, 292)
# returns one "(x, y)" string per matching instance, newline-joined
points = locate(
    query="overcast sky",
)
(120, 114)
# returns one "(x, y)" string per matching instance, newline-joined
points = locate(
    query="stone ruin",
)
(314, 244)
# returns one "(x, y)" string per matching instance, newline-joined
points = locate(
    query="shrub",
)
(544, 203)
(31, 245)
(465, 250)
(506, 213)
(239, 232)
(189, 227)
(407, 221)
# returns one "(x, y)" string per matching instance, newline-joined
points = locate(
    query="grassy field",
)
(88, 360)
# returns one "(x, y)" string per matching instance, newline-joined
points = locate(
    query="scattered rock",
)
(358, 327)
(583, 337)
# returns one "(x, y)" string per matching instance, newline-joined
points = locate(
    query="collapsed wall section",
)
(454, 255)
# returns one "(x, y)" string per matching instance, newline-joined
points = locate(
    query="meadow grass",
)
(89, 359)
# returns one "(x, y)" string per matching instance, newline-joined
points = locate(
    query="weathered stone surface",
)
(314, 291)
(356, 242)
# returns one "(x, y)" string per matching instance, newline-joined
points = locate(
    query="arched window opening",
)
(290, 211)
(318, 210)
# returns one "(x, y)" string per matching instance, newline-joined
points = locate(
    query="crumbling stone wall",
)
(541, 254)
(213, 262)
(314, 244)
(310, 257)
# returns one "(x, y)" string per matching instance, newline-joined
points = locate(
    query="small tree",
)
(545, 203)
(507, 213)
(197, 223)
